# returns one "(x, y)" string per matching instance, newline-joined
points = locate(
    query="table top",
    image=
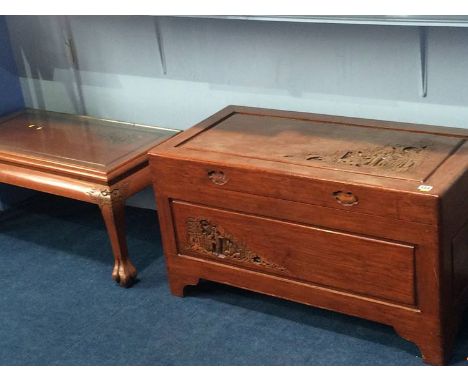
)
(68, 143)
(360, 149)
(387, 154)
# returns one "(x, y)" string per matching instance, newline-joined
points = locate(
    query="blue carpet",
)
(59, 306)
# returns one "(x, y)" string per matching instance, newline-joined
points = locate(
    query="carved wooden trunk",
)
(363, 217)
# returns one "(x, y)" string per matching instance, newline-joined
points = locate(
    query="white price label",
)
(424, 188)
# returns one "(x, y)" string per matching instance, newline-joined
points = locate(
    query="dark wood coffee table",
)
(93, 160)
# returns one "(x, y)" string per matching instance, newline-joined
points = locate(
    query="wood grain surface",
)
(358, 216)
(93, 160)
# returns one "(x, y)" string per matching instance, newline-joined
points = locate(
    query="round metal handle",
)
(345, 198)
(217, 177)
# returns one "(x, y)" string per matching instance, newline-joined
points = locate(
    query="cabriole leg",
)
(113, 213)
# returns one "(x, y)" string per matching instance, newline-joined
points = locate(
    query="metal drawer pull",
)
(345, 198)
(217, 177)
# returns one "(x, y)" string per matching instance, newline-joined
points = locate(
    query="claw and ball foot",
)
(124, 272)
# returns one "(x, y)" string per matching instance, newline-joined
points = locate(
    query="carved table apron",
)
(96, 161)
(363, 217)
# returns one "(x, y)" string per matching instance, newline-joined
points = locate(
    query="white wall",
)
(352, 70)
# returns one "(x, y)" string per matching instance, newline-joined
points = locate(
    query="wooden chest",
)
(364, 217)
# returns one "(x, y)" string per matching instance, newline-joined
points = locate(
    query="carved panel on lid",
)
(397, 157)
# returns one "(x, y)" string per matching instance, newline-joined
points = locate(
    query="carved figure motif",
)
(209, 239)
(390, 157)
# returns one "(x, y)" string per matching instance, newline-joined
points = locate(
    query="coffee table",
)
(94, 160)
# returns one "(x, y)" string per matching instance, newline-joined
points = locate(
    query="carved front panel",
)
(320, 256)
(210, 239)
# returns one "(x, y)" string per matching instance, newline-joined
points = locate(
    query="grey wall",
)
(365, 71)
